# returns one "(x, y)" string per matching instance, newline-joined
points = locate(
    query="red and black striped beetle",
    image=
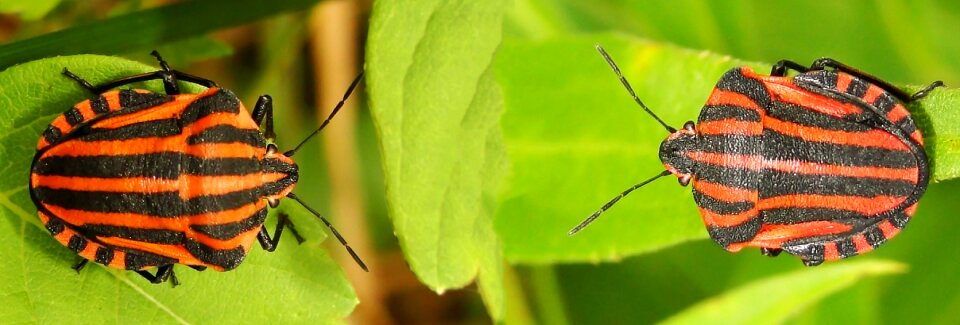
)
(137, 180)
(826, 164)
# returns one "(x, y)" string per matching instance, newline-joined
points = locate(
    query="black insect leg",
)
(812, 262)
(264, 109)
(823, 63)
(163, 274)
(198, 267)
(182, 75)
(163, 75)
(270, 244)
(79, 266)
(783, 66)
(167, 75)
(926, 91)
(772, 252)
(163, 63)
(83, 83)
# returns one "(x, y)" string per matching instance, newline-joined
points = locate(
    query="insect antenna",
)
(630, 89)
(332, 113)
(595, 215)
(332, 230)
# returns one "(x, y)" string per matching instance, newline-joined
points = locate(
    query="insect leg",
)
(181, 75)
(772, 252)
(926, 91)
(270, 244)
(169, 78)
(194, 79)
(812, 262)
(264, 109)
(163, 274)
(167, 75)
(823, 63)
(79, 266)
(780, 69)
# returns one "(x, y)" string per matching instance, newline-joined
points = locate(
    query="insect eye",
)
(684, 180)
(689, 127)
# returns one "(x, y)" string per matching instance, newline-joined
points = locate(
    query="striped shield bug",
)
(824, 164)
(136, 180)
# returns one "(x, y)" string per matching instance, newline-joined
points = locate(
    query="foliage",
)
(499, 128)
(436, 106)
(783, 296)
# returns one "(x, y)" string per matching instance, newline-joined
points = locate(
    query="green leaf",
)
(29, 10)
(143, 30)
(776, 299)
(576, 139)
(939, 120)
(294, 284)
(436, 105)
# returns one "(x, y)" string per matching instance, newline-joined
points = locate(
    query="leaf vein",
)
(26, 285)
(150, 298)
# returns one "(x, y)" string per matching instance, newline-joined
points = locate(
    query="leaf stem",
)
(548, 296)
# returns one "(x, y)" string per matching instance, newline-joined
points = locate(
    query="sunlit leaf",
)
(774, 300)
(436, 105)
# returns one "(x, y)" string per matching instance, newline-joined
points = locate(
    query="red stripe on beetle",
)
(860, 242)
(897, 113)
(916, 136)
(843, 82)
(872, 138)
(888, 229)
(732, 98)
(785, 91)
(830, 252)
(725, 193)
(730, 127)
(757, 162)
(774, 235)
(870, 206)
(872, 93)
(714, 219)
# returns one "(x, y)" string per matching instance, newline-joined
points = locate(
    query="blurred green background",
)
(575, 139)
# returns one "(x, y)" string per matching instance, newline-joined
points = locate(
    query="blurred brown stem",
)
(333, 41)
